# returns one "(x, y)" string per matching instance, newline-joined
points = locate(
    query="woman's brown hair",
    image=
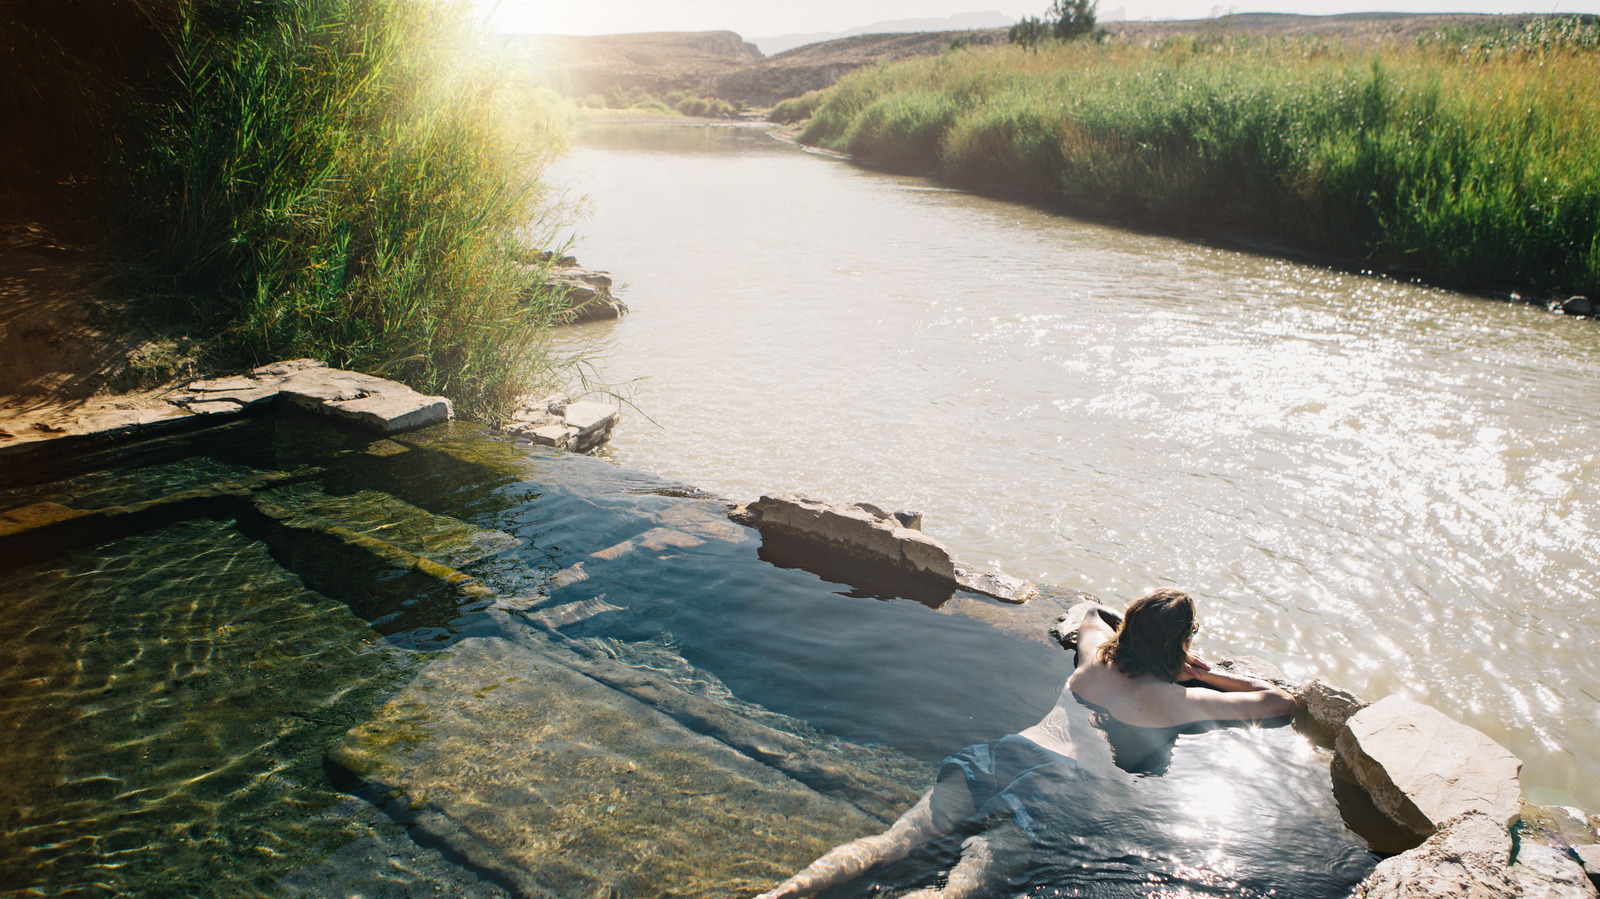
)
(1154, 636)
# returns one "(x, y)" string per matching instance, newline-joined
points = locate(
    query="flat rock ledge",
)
(1438, 779)
(366, 401)
(560, 422)
(863, 531)
(371, 402)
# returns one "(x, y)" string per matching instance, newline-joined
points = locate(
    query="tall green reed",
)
(1478, 170)
(350, 180)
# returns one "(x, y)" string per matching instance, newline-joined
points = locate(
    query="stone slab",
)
(1422, 767)
(286, 367)
(239, 382)
(1467, 857)
(522, 766)
(314, 387)
(26, 518)
(557, 436)
(244, 396)
(446, 540)
(1542, 871)
(854, 531)
(656, 539)
(1589, 854)
(215, 407)
(992, 583)
(1328, 707)
(393, 411)
(588, 417)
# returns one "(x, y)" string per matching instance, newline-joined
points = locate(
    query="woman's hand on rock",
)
(1194, 668)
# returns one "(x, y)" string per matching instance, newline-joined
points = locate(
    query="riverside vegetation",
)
(344, 180)
(1467, 157)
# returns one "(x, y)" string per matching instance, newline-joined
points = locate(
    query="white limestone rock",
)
(214, 407)
(1003, 587)
(1327, 706)
(854, 531)
(557, 436)
(392, 410)
(592, 423)
(588, 417)
(1545, 872)
(556, 421)
(1467, 857)
(1422, 768)
(312, 388)
(1589, 854)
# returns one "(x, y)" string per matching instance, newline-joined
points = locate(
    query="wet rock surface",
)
(555, 784)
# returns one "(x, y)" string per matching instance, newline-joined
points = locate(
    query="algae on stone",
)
(562, 786)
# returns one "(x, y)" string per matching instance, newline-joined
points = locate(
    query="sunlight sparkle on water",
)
(1344, 469)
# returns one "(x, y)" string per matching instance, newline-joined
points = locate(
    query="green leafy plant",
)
(1476, 171)
(347, 180)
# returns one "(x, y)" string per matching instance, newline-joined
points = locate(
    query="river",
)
(1389, 486)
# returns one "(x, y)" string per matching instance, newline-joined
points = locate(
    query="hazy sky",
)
(765, 18)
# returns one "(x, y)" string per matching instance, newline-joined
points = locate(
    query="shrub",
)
(1478, 170)
(1030, 31)
(323, 180)
(797, 109)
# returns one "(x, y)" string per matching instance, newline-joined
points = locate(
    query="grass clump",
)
(1469, 166)
(689, 104)
(342, 179)
(797, 109)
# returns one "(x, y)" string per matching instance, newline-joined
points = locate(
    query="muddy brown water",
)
(1390, 486)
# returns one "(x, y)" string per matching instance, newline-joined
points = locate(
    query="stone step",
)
(440, 538)
(516, 758)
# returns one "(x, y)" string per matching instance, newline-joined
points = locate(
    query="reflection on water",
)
(1390, 486)
(166, 698)
(188, 710)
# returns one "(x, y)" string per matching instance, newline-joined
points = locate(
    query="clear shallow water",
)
(173, 699)
(1393, 487)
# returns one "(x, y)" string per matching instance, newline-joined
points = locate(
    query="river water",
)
(1389, 486)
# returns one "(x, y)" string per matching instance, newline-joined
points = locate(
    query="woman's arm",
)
(1230, 697)
(1097, 625)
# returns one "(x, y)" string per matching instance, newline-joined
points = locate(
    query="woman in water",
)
(1133, 678)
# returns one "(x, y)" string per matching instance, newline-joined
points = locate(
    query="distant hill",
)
(969, 21)
(816, 66)
(722, 64)
(1360, 29)
(656, 62)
